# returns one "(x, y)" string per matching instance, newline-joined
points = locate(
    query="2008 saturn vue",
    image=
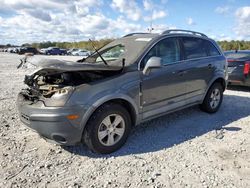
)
(131, 80)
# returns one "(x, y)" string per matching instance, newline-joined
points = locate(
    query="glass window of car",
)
(237, 55)
(167, 49)
(112, 54)
(211, 49)
(194, 48)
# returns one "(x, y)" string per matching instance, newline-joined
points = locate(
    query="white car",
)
(43, 50)
(81, 53)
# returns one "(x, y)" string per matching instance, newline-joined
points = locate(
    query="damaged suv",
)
(133, 79)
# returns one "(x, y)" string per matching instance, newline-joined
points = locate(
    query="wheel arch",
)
(124, 100)
(220, 80)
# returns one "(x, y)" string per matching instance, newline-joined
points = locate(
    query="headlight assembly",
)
(60, 97)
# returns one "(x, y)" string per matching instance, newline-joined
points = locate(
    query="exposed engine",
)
(47, 85)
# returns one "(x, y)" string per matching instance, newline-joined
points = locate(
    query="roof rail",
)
(131, 34)
(183, 31)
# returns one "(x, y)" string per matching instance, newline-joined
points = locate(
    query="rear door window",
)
(194, 48)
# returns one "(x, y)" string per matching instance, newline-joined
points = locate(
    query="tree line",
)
(67, 45)
(225, 45)
(234, 45)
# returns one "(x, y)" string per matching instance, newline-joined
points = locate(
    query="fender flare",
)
(212, 82)
(103, 100)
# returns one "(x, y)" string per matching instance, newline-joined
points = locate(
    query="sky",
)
(27, 21)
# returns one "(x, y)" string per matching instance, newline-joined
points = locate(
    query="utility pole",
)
(150, 29)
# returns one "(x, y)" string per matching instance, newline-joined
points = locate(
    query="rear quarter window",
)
(211, 49)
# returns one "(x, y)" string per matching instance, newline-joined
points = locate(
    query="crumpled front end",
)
(52, 123)
(43, 105)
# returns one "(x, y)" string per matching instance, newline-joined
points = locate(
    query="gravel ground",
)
(188, 148)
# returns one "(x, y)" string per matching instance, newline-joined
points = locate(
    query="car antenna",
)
(98, 52)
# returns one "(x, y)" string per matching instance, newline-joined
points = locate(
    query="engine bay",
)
(46, 85)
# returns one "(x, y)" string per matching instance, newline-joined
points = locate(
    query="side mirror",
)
(153, 62)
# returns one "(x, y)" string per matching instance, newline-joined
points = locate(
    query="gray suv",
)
(131, 80)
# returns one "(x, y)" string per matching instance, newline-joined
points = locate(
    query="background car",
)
(69, 52)
(238, 67)
(43, 50)
(24, 50)
(63, 51)
(10, 50)
(81, 52)
(55, 51)
(16, 50)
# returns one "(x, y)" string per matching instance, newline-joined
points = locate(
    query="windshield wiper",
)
(98, 52)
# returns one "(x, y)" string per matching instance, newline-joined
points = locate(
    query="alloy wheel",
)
(215, 98)
(111, 129)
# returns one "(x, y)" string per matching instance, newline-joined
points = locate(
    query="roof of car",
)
(173, 32)
(136, 43)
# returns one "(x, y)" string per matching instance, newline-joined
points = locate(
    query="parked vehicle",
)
(24, 50)
(70, 51)
(131, 80)
(10, 50)
(238, 67)
(63, 51)
(55, 51)
(16, 50)
(43, 50)
(81, 52)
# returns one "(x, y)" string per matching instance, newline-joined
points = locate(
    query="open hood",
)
(51, 75)
(52, 66)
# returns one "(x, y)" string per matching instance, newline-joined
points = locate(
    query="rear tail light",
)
(247, 67)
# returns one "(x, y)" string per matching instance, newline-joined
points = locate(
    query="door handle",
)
(182, 72)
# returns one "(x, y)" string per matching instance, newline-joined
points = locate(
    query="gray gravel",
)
(185, 149)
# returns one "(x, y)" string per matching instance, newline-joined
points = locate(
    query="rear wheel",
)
(107, 129)
(213, 99)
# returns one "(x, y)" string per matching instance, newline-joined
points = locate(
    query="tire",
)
(101, 128)
(213, 99)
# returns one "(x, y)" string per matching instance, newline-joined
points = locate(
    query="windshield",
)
(129, 48)
(114, 53)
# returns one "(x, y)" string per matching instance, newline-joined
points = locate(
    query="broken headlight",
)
(60, 97)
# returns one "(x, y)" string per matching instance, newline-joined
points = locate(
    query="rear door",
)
(163, 89)
(200, 66)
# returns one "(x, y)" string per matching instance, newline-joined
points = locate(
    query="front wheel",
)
(213, 99)
(107, 129)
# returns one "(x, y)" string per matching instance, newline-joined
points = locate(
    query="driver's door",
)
(163, 89)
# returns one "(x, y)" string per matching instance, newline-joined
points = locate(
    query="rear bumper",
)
(236, 79)
(51, 122)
